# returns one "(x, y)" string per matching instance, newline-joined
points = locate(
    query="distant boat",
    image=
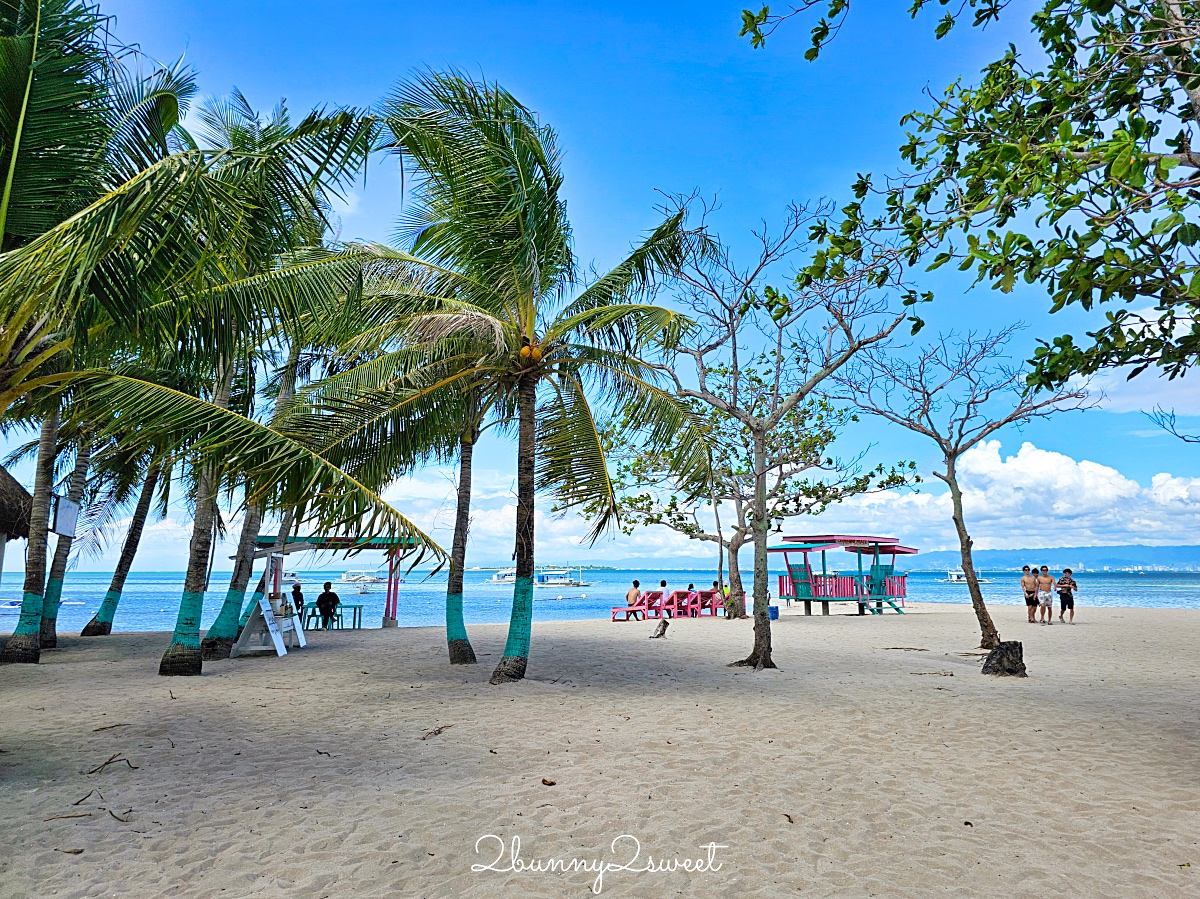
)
(10, 607)
(958, 576)
(559, 577)
(361, 577)
(504, 576)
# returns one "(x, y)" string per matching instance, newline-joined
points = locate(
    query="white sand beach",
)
(854, 771)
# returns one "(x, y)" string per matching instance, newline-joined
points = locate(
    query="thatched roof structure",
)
(14, 507)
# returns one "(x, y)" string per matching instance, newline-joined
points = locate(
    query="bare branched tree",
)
(757, 353)
(957, 392)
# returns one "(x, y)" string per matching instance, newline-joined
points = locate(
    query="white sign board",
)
(265, 632)
(64, 516)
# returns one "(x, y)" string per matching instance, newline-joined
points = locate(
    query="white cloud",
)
(1035, 498)
(1146, 392)
(344, 207)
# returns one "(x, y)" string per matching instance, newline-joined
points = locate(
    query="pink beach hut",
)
(874, 587)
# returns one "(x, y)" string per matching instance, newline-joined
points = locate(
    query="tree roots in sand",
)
(21, 649)
(96, 628)
(180, 661)
(510, 670)
(216, 649)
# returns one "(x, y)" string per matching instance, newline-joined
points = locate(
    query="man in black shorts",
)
(1029, 588)
(1067, 588)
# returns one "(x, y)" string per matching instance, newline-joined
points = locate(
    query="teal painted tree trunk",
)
(25, 645)
(182, 657)
(516, 650)
(62, 552)
(219, 638)
(285, 528)
(102, 621)
(457, 641)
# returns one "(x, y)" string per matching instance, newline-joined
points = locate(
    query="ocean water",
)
(151, 599)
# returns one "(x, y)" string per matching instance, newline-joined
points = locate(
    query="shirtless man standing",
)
(1045, 585)
(1029, 588)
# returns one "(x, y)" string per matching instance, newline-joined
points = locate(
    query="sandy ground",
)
(854, 771)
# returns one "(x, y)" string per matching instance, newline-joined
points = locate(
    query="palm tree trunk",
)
(760, 655)
(285, 529)
(219, 638)
(101, 623)
(25, 643)
(457, 641)
(735, 603)
(62, 551)
(516, 649)
(989, 636)
(182, 657)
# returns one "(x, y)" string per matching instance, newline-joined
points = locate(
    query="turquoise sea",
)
(151, 598)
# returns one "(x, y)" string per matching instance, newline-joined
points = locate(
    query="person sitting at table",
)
(327, 604)
(298, 600)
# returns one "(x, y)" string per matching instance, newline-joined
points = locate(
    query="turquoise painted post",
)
(858, 585)
(520, 623)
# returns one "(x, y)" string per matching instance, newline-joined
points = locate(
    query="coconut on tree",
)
(511, 317)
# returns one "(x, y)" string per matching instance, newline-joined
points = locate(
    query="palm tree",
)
(220, 637)
(25, 644)
(102, 621)
(62, 547)
(490, 211)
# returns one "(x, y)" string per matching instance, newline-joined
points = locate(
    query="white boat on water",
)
(958, 576)
(10, 607)
(559, 577)
(546, 577)
(362, 577)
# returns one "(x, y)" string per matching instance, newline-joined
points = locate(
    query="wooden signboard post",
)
(264, 632)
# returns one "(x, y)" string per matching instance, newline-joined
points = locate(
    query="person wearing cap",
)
(298, 600)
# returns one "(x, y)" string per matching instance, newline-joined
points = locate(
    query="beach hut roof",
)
(841, 539)
(15, 503)
(266, 542)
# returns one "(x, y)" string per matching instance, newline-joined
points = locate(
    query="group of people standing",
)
(1039, 587)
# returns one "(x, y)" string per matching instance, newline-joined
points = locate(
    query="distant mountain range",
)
(1168, 558)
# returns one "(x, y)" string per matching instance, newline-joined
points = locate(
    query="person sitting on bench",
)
(327, 604)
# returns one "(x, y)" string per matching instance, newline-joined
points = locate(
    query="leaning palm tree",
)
(101, 623)
(520, 323)
(62, 547)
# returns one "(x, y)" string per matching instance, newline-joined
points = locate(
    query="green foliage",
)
(804, 475)
(1069, 165)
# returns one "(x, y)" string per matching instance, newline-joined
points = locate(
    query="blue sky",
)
(665, 97)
